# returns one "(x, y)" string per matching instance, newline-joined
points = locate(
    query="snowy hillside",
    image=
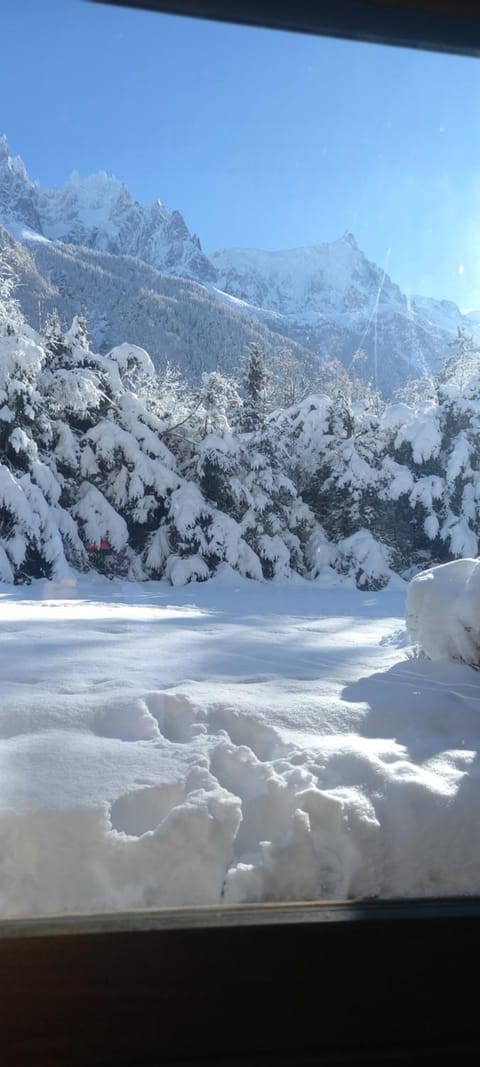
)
(37, 293)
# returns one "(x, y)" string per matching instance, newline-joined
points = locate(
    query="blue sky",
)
(260, 138)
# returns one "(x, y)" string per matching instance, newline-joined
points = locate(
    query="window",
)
(223, 458)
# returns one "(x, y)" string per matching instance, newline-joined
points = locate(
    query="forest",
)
(111, 465)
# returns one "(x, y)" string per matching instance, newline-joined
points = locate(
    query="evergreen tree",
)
(37, 535)
(53, 342)
(220, 403)
(11, 319)
(128, 473)
(256, 380)
(458, 368)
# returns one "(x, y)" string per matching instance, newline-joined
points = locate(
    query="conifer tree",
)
(256, 380)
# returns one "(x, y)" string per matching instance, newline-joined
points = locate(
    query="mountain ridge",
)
(328, 298)
(98, 212)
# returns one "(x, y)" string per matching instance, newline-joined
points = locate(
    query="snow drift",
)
(443, 612)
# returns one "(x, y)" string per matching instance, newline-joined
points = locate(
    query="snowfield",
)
(229, 741)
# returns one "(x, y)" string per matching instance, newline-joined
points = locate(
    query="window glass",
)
(239, 465)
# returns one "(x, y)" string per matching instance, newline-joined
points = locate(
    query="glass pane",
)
(225, 457)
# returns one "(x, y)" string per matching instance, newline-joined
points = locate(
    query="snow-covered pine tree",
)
(459, 406)
(411, 482)
(277, 523)
(217, 458)
(256, 380)
(242, 475)
(11, 318)
(78, 384)
(126, 472)
(202, 538)
(333, 451)
(35, 531)
(220, 403)
(53, 342)
(462, 363)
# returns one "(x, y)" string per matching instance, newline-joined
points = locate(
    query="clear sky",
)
(260, 138)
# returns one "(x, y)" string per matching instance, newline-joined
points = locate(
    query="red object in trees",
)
(104, 546)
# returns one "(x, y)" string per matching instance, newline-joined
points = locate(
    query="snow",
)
(229, 741)
(91, 199)
(401, 479)
(101, 521)
(441, 313)
(234, 301)
(127, 356)
(459, 459)
(24, 233)
(366, 559)
(443, 612)
(286, 275)
(419, 428)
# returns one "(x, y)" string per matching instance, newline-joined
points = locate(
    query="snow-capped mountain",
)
(328, 298)
(18, 195)
(303, 281)
(98, 212)
(334, 301)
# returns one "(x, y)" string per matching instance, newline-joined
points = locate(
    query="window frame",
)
(274, 985)
(436, 25)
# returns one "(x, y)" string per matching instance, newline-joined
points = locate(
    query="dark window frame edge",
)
(422, 24)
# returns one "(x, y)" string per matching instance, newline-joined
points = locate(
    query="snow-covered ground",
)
(228, 741)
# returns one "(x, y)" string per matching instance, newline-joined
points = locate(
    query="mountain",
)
(18, 195)
(98, 212)
(327, 301)
(331, 299)
(176, 319)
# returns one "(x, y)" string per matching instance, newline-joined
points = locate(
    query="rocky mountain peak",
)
(98, 211)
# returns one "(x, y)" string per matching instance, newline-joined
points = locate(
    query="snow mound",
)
(443, 612)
